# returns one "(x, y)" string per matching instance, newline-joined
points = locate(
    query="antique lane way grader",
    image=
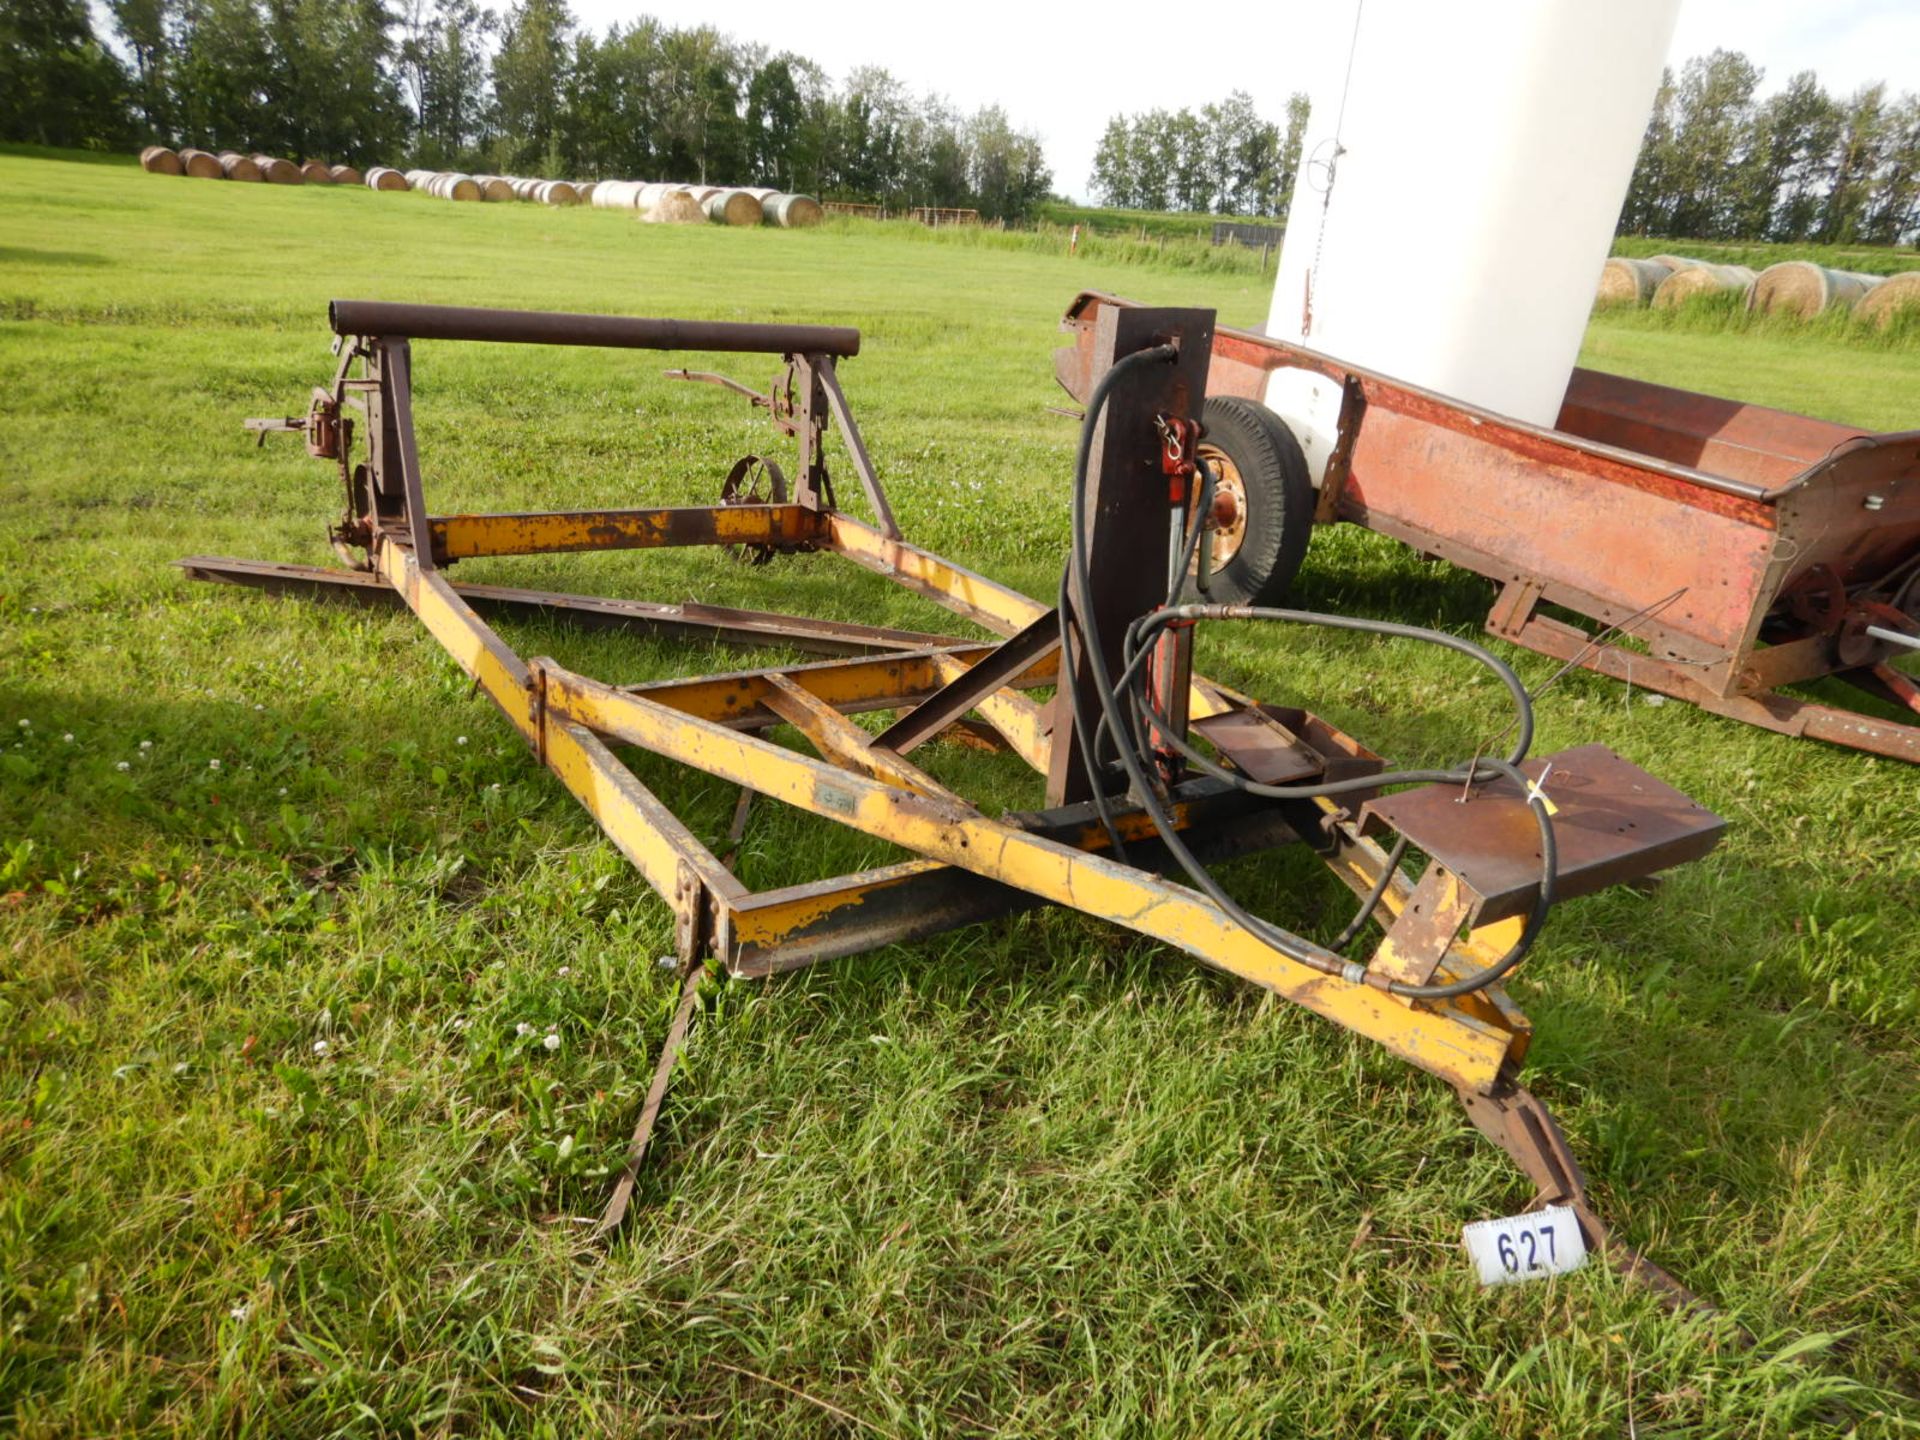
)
(1151, 771)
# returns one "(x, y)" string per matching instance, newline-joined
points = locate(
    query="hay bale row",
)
(656, 202)
(231, 165)
(1799, 287)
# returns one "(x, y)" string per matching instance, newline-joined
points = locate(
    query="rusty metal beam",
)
(618, 332)
(460, 537)
(983, 679)
(750, 629)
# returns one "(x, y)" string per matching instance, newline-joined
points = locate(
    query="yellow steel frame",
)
(705, 723)
(969, 866)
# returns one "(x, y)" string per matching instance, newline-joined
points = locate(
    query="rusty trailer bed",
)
(1720, 551)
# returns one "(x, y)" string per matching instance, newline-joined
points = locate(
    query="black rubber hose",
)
(1075, 586)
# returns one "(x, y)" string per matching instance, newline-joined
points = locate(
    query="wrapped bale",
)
(617, 194)
(1630, 282)
(1678, 262)
(239, 167)
(671, 205)
(278, 172)
(556, 192)
(733, 207)
(345, 175)
(702, 193)
(584, 190)
(382, 178)
(494, 187)
(1692, 280)
(1895, 295)
(1799, 287)
(420, 179)
(317, 172)
(202, 165)
(793, 212)
(449, 185)
(159, 160)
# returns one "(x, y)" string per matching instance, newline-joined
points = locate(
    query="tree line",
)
(450, 84)
(1800, 165)
(1225, 159)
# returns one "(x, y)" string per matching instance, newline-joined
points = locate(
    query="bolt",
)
(1875, 502)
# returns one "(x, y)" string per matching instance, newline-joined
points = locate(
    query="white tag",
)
(1526, 1247)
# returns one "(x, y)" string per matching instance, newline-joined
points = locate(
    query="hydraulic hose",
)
(1123, 725)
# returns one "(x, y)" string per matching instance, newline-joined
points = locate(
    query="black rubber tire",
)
(1280, 503)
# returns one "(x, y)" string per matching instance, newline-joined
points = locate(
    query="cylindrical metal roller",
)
(618, 332)
(159, 160)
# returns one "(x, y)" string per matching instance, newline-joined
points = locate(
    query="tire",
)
(1255, 457)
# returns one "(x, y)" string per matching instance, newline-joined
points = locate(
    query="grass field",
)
(278, 895)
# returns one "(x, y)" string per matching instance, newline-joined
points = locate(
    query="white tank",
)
(1479, 157)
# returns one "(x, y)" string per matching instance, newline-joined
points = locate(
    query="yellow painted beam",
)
(459, 537)
(1444, 1039)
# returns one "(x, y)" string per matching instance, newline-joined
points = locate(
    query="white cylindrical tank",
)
(1480, 154)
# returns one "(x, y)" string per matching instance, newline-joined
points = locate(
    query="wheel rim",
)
(1227, 526)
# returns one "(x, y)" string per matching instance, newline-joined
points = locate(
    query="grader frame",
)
(1615, 823)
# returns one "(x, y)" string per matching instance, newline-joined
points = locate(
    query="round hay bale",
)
(239, 167)
(1799, 287)
(317, 172)
(202, 165)
(1895, 295)
(380, 177)
(1678, 262)
(1629, 282)
(794, 212)
(450, 185)
(556, 192)
(733, 207)
(1684, 284)
(278, 172)
(420, 179)
(494, 187)
(702, 193)
(674, 206)
(159, 160)
(616, 195)
(583, 190)
(346, 175)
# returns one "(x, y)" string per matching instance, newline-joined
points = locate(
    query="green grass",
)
(1033, 1178)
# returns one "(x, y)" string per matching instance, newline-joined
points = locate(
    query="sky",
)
(1058, 73)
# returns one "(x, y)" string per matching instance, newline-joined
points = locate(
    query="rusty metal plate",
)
(1616, 823)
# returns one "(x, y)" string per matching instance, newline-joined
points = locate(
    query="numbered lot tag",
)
(1526, 1247)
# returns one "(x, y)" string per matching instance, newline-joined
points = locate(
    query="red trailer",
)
(1715, 551)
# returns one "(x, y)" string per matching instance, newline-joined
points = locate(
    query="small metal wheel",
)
(754, 480)
(1262, 512)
